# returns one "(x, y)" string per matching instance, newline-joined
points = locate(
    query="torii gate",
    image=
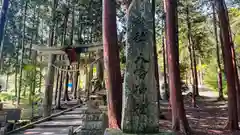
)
(70, 51)
(73, 52)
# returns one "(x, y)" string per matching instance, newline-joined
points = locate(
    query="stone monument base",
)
(109, 131)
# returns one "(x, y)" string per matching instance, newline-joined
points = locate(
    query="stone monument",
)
(93, 120)
(140, 108)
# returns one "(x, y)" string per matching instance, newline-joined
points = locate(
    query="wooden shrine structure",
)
(44, 51)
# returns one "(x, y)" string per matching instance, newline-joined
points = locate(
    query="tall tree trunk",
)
(112, 64)
(16, 74)
(193, 56)
(90, 75)
(100, 67)
(200, 72)
(32, 57)
(166, 90)
(178, 111)
(73, 74)
(190, 48)
(65, 21)
(155, 54)
(48, 93)
(220, 88)
(58, 72)
(166, 53)
(40, 77)
(86, 70)
(33, 85)
(65, 96)
(78, 91)
(57, 86)
(75, 81)
(235, 67)
(195, 70)
(22, 53)
(228, 64)
(6, 83)
(2, 26)
(59, 93)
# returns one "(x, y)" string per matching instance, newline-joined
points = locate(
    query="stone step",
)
(44, 131)
(92, 117)
(60, 123)
(68, 116)
(68, 123)
(82, 110)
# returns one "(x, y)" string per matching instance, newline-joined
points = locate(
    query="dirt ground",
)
(209, 118)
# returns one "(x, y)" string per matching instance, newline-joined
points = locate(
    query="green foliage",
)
(211, 78)
(29, 67)
(4, 96)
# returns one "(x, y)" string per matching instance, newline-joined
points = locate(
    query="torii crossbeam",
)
(71, 51)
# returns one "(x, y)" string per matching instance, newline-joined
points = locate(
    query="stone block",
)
(90, 132)
(109, 131)
(94, 122)
(3, 131)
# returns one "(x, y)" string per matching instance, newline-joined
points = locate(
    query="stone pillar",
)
(140, 107)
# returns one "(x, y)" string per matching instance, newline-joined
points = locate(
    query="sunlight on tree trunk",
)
(48, 93)
(220, 89)
(22, 53)
(178, 111)
(112, 64)
(228, 64)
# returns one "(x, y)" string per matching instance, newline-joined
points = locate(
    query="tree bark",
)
(57, 86)
(166, 91)
(16, 75)
(195, 71)
(112, 64)
(22, 53)
(75, 82)
(48, 93)
(228, 64)
(65, 96)
(47, 101)
(90, 75)
(190, 49)
(192, 57)
(220, 88)
(155, 54)
(59, 93)
(86, 70)
(40, 77)
(178, 111)
(100, 68)
(2, 26)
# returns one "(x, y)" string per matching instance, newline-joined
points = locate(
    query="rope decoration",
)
(60, 69)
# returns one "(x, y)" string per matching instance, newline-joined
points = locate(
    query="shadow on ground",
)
(209, 118)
